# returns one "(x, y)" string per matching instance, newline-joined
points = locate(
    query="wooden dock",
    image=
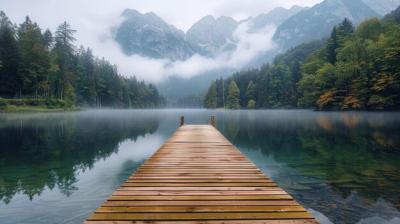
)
(198, 176)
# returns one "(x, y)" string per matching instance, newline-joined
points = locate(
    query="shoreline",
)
(35, 109)
(41, 109)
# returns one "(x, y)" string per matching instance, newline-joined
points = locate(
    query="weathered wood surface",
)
(198, 176)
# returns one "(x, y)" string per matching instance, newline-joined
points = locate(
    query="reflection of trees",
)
(347, 152)
(324, 122)
(38, 153)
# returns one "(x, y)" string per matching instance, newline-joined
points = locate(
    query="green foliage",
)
(3, 103)
(32, 103)
(354, 69)
(40, 67)
(233, 99)
(210, 100)
(370, 29)
(251, 104)
(393, 17)
(251, 91)
(9, 60)
(365, 74)
(331, 46)
(33, 59)
(273, 85)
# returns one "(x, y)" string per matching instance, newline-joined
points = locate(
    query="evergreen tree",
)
(251, 104)
(345, 28)
(220, 92)
(233, 99)
(331, 47)
(354, 69)
(48, 39)
(85, 83)
(9, 81)
(64, 53)
(34, 61)
(210, 100)
(34, 64)
(251, 91)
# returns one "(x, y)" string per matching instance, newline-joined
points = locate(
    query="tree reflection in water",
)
(39, 152)
(342, 164)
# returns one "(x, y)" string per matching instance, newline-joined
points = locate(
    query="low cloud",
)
(249, 45)
(93, 19)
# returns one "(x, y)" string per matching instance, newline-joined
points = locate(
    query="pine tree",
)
(346, 27)
(34, 59)
(48, 39)
(64, 53)
(210, 100)
(251, 104)
(9, 81)
(85, 83)
(331, 46)
(233, 99)
(220, 92)
(251, 91)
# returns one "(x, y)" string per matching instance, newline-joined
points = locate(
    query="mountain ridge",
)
(317, 21)
(149, 35)
(305, 25)
(210, 36)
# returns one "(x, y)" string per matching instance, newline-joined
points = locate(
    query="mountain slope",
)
(273, 18)
(148, 35)
(382, 7)
(317, 22)
(210, 36)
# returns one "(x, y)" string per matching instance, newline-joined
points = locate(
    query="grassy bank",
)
(34, 105)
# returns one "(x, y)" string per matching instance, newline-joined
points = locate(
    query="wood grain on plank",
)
(198, 176)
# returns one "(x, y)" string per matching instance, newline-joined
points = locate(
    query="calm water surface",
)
(58, 168)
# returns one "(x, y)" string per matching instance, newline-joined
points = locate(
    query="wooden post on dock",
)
(212, 120)
(182, 121)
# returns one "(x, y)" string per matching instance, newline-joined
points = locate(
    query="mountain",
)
(148, 35)
(273, 18)
(393, 16)
(382, 7)
(210, 36)
(317, 22)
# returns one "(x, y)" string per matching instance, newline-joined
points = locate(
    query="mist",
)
(94, 30)
(249, 45)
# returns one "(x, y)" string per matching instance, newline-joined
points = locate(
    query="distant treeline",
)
(43, 65)
(354, 69)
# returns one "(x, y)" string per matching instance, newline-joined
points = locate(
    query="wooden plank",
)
(164, 184)
(297, 221)
(200, 197)
(198, 176)
(199, 188)
(199, 216)
(199, 180)
(195, 193)
(159, 209)
(201, 203)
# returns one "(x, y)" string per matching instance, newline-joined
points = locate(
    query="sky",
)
(93, 20)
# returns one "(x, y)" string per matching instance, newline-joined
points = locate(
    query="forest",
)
(41, 68)
(356, 68)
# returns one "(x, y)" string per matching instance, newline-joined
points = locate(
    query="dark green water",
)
(57, 168)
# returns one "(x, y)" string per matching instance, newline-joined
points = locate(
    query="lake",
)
(59, 167)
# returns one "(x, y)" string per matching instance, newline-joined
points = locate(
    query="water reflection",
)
(343, 165)
(60, 167)
(47, 151)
